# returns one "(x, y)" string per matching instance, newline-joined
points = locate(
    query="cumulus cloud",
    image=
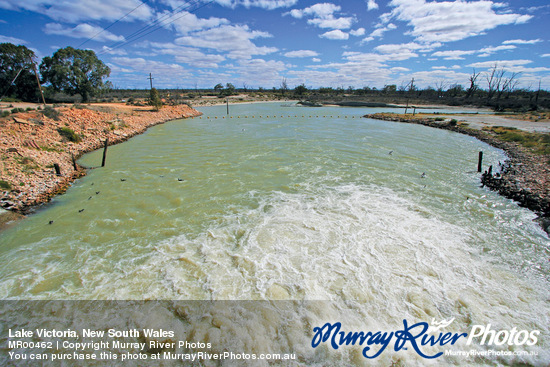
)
(264, 4)
(235, 40)
(453, 54)
(372, 5)
(186, 22)
(82, 31)
(357, 32)
(451, 20)
(335, 35)
(302, 53)
(322, 16)
(76, 11)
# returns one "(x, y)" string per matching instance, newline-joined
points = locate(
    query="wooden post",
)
(57, 169)
(105, 152)
(227, 101)
(480, 161)
(74, 162)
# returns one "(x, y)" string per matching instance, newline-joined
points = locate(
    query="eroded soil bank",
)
(35, 147)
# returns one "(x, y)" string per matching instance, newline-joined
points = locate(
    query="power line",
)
(155, 26)
(112, 24)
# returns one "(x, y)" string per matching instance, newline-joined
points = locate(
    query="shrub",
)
(453, 122)
(69, 134)
(5, 113)
(51, 113)
(439, 119)
(4, 185)
(17, 109)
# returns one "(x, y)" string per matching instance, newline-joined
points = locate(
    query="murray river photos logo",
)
(417, 336)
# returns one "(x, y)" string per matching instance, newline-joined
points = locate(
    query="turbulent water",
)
(277, 202)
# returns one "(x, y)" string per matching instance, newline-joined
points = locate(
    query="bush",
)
(4, 185)
(69, 134)
(51, 113)
(17, 109)
(453, 122)
(5, 113)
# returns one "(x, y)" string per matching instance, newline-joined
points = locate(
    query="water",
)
(299, 208)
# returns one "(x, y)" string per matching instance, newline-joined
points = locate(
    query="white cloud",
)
(488, 51)
(75, 11)
(82, 31)
(323, 16)
(378, 32)
(335, 35)
(357, 32)
(319, 60)
(545, 55)
(15, 41)
(264, 4)
(187, 55)
(453, 55)
(372, 5)
(521, 42)
(235, 40)
(260, 71)
(301, 53)
(451, 21)
(110, 51)
(185, 22)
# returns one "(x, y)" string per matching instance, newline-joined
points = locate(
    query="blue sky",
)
(258, 43)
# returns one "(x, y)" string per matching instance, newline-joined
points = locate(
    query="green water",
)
(289, 207)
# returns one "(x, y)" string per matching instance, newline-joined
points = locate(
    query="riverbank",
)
(39, 148)
(524, 177)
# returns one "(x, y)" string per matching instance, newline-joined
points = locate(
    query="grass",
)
(69, 134)
(538, 142)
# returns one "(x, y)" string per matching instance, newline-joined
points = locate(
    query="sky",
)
(261, 43)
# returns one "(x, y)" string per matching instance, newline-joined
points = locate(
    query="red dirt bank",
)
(30, 145)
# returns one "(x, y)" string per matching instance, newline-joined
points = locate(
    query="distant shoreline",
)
(525, 176)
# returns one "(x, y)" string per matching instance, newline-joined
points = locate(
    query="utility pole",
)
(151, 80)
(38, 81)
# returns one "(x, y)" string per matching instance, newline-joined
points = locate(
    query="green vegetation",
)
(154, 99)
(51, 113)
(17, 79)
(16, 110)
(4, 185)
(29, 164)
(5, 113)
(538, 142)
(74, 71)
(69, 134)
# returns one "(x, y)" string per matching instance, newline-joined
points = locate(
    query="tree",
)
(473, 84)
(218, 88)
(17, 66)
(300, 90)
(74, 71)
(154, 99)
(284, 87)
(229, 89)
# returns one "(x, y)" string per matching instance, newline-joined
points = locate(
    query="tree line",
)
(68, 70)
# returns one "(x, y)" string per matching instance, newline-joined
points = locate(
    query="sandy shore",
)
(31, 146)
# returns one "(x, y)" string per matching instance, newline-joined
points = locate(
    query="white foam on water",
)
(381, 257)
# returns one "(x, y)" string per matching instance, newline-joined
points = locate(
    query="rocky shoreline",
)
(524, 177)
(34, 146)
